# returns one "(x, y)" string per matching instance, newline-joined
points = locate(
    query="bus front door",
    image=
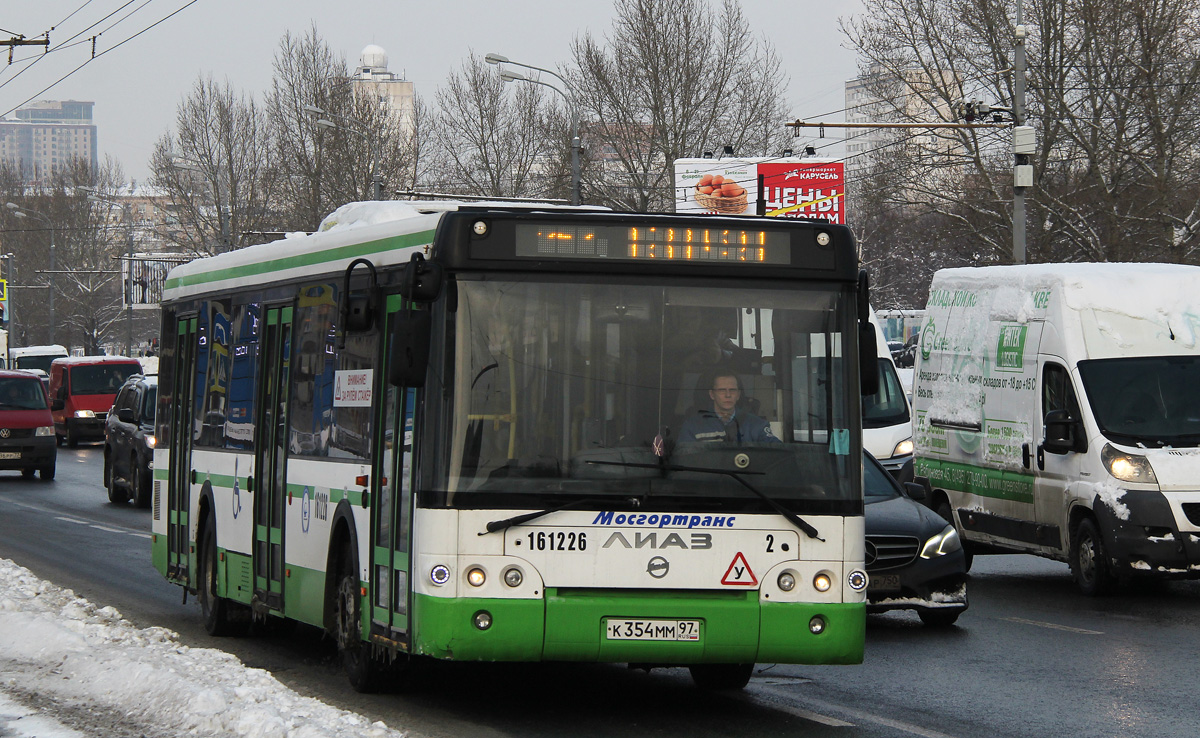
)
(179, 483)
(392, 515)
(270, 458)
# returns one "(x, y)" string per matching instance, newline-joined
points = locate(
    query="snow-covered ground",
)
(70, 669)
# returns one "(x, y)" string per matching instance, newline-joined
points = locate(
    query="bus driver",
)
(726, 421)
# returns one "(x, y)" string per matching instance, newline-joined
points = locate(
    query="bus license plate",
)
(10, 454)
(652, 630)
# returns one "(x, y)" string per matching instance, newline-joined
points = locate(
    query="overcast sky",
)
(137, 85)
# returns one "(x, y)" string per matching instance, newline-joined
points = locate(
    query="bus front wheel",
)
(364, 672)
(721, 676)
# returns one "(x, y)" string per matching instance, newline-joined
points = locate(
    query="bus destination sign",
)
(690, 243)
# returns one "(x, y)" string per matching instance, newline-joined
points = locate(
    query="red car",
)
(26, 428)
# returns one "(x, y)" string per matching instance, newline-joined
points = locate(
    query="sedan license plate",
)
(884, 583)
(652, 630)
(10, 454)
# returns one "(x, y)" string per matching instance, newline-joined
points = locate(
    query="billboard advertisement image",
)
(791, 188)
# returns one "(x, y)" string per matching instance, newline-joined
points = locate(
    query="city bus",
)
(461, 432)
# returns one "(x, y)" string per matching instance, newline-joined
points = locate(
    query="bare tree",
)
(672, 79)
(215, 169)
(1110, 92)
(490, 138)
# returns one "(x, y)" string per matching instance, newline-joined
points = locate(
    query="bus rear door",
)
(179, 483)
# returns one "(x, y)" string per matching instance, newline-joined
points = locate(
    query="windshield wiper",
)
(791, 517)
(523, 518)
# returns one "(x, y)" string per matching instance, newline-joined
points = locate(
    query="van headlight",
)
(1127, 467)
(151, 441)
(943, 543)
(44, 430)
(904, 448)
(85, 414)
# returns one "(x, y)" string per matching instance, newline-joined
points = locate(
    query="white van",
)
(887, 423)
(36, 357)
(1057, 412)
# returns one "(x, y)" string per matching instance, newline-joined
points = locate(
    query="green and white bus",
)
(460, 432)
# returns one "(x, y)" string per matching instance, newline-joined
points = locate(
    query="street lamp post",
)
(24, 212)
(572, 104)
(372, 149)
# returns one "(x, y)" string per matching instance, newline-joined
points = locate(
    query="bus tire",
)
(364, 672)
(138, 483)
(1089, 562)
(721, 676)
(214, 610)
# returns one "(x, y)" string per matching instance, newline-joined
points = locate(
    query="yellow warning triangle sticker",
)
(739, 572)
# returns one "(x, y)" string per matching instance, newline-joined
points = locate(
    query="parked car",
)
(129, 442)
(26, 428)
(914, 557)
(82, 389)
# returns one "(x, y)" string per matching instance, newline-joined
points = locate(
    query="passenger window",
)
(1057, 392)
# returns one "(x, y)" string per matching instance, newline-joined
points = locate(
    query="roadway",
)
(1031, 656)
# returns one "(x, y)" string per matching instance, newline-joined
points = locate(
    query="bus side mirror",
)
(410, 349)
(868, 359)
(422, 280)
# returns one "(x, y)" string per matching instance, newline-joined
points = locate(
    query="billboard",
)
(791, 188)
(144, 277)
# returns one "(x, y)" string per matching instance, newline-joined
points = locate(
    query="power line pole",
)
(1023, 143)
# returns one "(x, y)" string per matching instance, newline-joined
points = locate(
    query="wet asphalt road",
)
(1031, 657)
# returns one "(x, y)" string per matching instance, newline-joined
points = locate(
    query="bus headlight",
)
(904, 448)
(857, 580)
(482, 620)
(151, 441)
(476, 577)
(816, 626)
(943, 543)
(513, 577)
(787, 582)
(439, 574)
(1127, 467)
(822, 582)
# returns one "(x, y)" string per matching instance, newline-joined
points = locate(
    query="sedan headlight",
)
(84, 414)
(44, 430)
(943, 543)
(904, 448)
(1127, 467)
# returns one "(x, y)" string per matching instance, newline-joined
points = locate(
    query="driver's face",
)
(725, 394)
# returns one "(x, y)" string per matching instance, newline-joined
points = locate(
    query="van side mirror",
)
(410, 349)
(57, 404)
(868, 359)
(1063, 433)
(125, 415)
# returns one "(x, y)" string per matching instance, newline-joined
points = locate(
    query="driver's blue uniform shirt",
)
(706, 426)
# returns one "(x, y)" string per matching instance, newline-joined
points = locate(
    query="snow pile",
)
(70, 651)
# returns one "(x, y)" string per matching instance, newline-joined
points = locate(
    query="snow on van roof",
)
(1168, 294)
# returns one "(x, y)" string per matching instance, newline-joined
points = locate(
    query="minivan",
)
(26, 428)
(82, 390)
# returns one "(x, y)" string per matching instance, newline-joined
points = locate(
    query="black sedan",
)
(129, 442)
(914, 557)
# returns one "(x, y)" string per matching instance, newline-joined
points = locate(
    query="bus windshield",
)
(667, 395)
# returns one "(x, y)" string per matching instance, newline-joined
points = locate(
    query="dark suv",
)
(129, 441)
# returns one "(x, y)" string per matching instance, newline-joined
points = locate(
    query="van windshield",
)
(99, 379)
(38, 361)
(18, 393)
(1154, 400)
(887, 407)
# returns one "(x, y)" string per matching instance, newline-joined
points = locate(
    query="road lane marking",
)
(71, 520)
(799, 712)
(106, 529)
(1054, 626)
(860, 715)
